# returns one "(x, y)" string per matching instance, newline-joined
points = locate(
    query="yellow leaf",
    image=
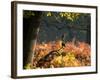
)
(49, 14)
(61, 14)
(28, 66)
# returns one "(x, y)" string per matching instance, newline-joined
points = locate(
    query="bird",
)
(63, 40)
(63, 44)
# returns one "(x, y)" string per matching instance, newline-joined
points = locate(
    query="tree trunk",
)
(31, 27)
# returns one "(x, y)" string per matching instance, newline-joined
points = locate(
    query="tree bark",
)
(30, 32)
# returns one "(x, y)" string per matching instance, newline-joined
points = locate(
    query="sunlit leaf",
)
(49, 14)
(28, 66)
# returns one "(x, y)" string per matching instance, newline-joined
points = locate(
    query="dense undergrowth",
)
(53, 55)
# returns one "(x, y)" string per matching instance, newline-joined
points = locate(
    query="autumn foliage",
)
(72, 55)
